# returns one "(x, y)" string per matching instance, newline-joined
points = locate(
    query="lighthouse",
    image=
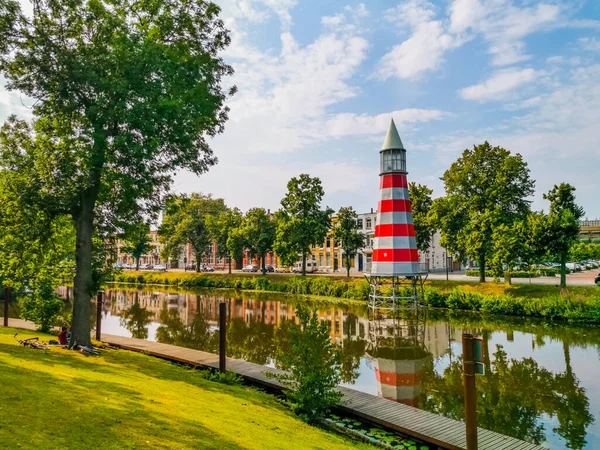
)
(396, 275)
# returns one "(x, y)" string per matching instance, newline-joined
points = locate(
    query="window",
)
(327, 260)
(327, 242)
(393, 160)
(369, 224)
(321, 260)
(359, 223)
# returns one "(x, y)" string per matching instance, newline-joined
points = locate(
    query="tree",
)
(301, 223)
(186, 221)
(137, 242)
(314, 366)
(562, 225)
(346, 232)
(420, 198)
(221, 228)
(485, 187)
(258, 232)
(508, 248)
(109, 134)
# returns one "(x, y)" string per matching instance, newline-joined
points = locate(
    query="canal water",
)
(541, 383)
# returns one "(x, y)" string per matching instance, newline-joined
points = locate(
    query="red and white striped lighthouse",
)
(395, 247)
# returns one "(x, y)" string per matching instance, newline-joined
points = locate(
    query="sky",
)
(319, 80)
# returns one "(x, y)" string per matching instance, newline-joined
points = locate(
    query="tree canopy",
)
(485, 187)
(221, 228)
(420, 198)
(301, 223)
(126, 94)
(345, 230)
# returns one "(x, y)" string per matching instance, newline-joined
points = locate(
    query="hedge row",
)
(554, 307)
(357, 289)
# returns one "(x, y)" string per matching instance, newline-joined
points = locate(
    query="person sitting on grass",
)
(62, 336)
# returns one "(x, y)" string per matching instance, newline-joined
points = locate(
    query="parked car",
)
(573, 267)
(250, 268)
(282, 269)
(118, 266)
(597, 280)
(190, 267)
(206, 268)
(311, 266)
(270, 268)
(160, 267)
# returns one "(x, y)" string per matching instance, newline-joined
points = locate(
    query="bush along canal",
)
(540, 382)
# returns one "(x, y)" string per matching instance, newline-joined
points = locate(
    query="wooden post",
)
(6, 297)
(223, 337)
(99, 316)
(469, 391)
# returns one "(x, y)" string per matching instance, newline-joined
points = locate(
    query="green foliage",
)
(221, 229)
(41, 305)
(110, 135)
(346, 232)
(301, 223)
(513, 274)
(485, 188)
(258, 233)
(186, 221)
(314, 366)
(420, 199)
(137, 241)
(562, 224)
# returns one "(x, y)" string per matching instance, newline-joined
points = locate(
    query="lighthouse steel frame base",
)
(392, 293)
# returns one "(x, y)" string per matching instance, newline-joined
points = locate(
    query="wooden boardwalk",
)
(431, 428)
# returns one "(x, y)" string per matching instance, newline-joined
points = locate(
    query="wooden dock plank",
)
(423, 425)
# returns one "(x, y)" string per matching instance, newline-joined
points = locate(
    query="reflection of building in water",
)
(396, 344)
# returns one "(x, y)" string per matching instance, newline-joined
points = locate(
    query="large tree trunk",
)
(263, 266)
(563, 271)
(82, 284)
(137, 263)
(230, 258)
(482, 268)
(198, 261)
(303, 264)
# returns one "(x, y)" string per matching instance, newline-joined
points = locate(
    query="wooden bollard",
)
(470, 392)
(222, 337)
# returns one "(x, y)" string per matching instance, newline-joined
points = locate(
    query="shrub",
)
(434, 298)
(314, 365)
(42, 306)
(458, 299)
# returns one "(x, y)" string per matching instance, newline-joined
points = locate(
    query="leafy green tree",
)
(258, 231)
(562, 225)
(447, 218)
(126, 94)
(582, 251)
(301, 223)
(236, 244)
(345, 230)
(186, 221)
(314, 366)
(485, 187)
(136, 319)
(221, 228)
(137, 242)
(421, 202)
(508, 248)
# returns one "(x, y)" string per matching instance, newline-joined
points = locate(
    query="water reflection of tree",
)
(251, 341)
(511, 397)
(136, 319)
(352, 350)
(197, 335)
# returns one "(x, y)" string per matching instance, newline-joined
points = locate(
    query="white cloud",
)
(591, 44)
(347, 22)
(423, 50)
(499, 84)
(501, 23)
(555, 59)
(363, 124)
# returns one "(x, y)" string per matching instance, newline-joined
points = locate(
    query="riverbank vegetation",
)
(125, 400)
(577, 303)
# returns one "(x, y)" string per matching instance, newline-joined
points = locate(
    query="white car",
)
(160, 267)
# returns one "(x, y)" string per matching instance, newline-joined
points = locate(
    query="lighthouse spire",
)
(392, 138)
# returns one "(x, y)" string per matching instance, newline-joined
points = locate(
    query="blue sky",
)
(319, 81)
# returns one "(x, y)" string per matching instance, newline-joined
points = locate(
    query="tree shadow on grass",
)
(45, 411)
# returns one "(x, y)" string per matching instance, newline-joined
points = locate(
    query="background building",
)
(590, 230)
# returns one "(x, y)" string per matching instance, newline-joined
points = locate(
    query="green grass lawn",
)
(59, 399)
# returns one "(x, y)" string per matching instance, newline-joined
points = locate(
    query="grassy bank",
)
(124, 400)
(577, 304)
